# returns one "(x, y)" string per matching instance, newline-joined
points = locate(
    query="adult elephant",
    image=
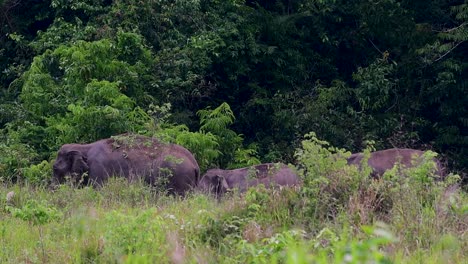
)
(219, 181)
(134, 157)
(383, 160)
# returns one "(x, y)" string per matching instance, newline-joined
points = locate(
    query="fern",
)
(216, 120)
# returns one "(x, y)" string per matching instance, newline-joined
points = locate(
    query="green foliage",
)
(272, 250)
(334, 190)
(38, 174)
(65, 72)
(327, 247)
(18, 25)
(205, 146)
(124, 221)
(15, 156)
(213, 145)
(103, 109)
(446, 88)
(328, 183)
(61, 32)
(84, 92)
(37, 213)
(374, 86)
(216, 122)
(138, 233)
(351, 71)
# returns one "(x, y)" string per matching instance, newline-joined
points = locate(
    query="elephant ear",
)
(79, 162)
(220, 183)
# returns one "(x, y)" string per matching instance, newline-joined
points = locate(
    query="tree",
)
(84, 92)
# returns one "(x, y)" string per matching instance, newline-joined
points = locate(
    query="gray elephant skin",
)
(383, 160)
(131, 156)
(218, 181)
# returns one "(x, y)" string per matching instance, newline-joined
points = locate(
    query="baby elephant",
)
(383, 160)
(219, 181)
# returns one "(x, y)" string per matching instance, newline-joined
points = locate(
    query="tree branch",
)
(451, 29)
(446, 53)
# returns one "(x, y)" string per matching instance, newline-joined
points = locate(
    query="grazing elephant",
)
(383, 160)
(219, 181)
(131, 156)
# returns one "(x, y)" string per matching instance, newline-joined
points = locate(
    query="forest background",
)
(237, 82)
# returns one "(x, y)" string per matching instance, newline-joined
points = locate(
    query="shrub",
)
(216, 122)
(15, 156)
(328, 183)
(38, 213)
(38, 174)
(294, 246)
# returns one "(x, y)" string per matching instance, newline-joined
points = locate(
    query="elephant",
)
(132, 156)
(218, 181)
(383, 160)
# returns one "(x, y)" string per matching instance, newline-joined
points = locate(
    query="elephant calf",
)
(219, 181)
(383, 160)
(131, 156)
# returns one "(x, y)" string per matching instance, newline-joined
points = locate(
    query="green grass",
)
(129, 223)
(338, 215)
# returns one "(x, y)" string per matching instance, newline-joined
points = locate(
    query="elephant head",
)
(71, 161)
(355, 159)
(214, 183)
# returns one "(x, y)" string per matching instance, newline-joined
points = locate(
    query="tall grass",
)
(339, 215)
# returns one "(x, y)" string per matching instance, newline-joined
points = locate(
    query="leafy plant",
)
(36, 213)
(15, 157)
(213, 145)
(216, 122)
(328, 183)
(38, 174)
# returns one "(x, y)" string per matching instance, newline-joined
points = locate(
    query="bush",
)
(39, 174)
(84, 91)
(295, 246)
(328, 183)
(15, 156)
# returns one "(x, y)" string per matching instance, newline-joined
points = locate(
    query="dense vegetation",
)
(393, 72)
(339, 215)
(238, 83)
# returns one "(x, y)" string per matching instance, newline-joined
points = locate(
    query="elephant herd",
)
(137, 157)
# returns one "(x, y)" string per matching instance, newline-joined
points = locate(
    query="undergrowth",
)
(339, 215)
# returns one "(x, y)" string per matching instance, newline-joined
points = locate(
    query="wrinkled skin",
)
(383, 160)
(131, 156)
(219, 181)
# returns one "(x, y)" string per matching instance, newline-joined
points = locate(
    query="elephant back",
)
(155, 159)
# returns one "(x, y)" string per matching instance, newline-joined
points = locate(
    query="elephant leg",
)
(98, 175)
